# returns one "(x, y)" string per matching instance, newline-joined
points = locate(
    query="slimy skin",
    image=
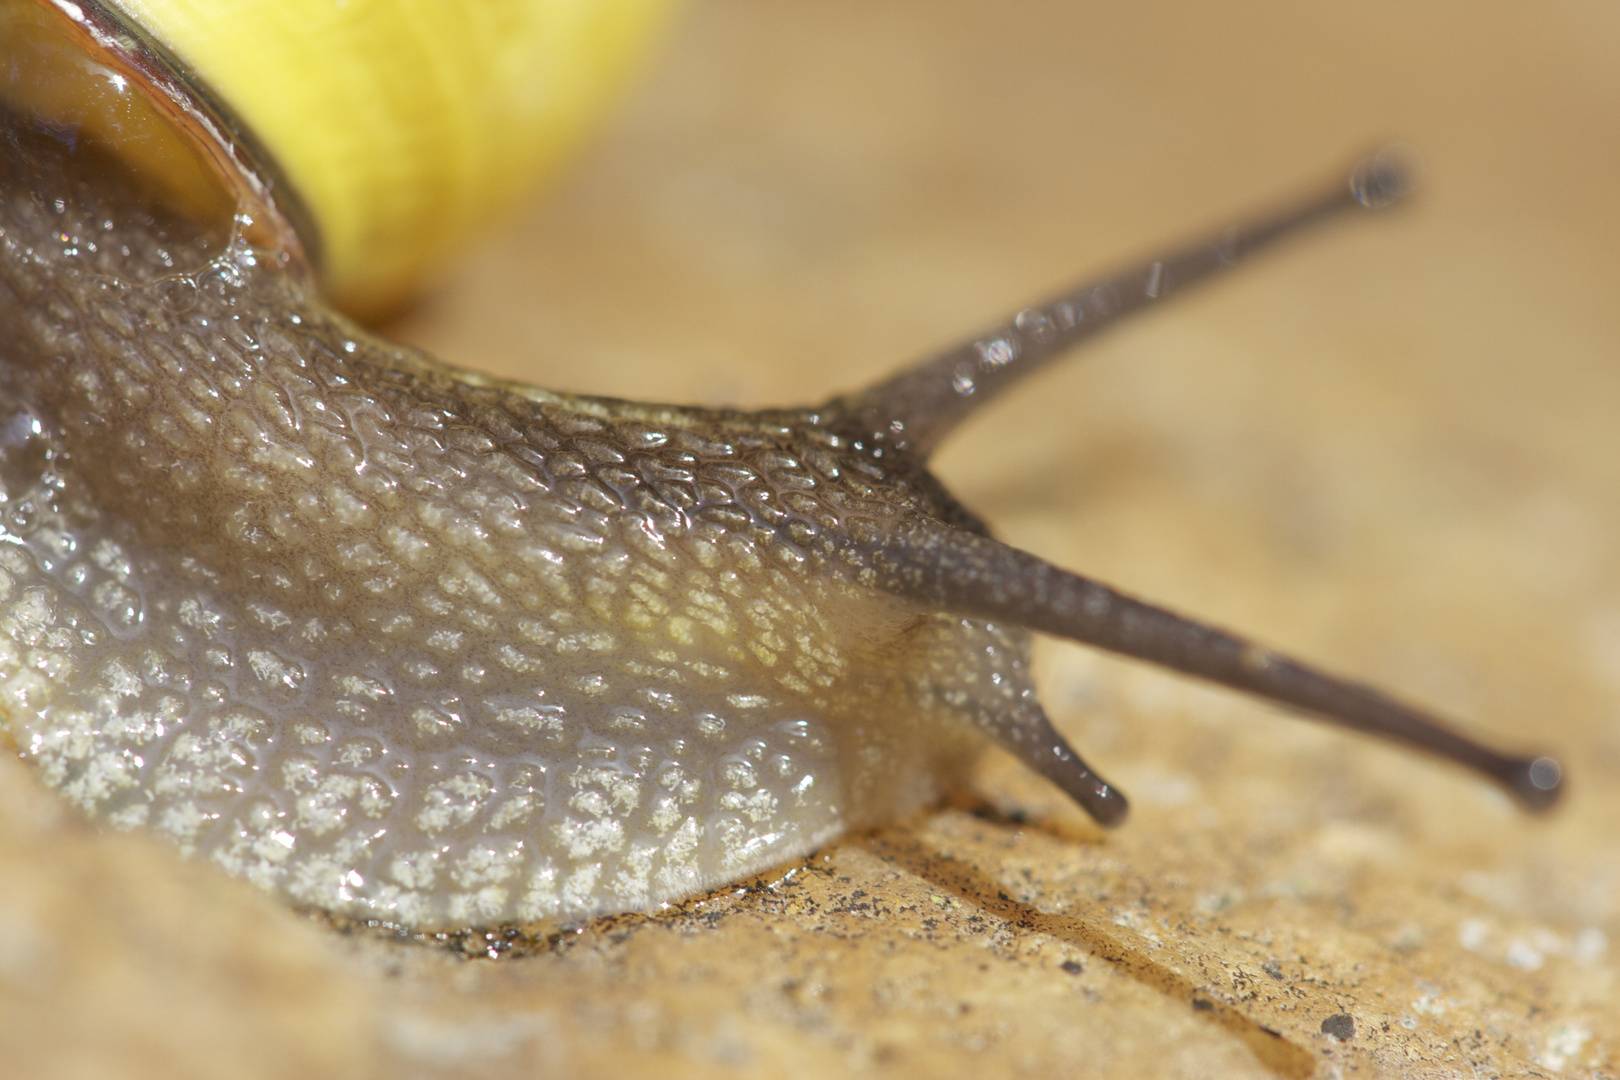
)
(401, 645)
(406, 644)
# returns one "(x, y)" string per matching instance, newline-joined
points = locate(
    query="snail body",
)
(407, 644)
(404, 646)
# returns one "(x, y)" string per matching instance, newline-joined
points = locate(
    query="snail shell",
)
(374, 135)
(407, 644)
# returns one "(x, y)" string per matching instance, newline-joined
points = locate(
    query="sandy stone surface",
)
(1392, 448)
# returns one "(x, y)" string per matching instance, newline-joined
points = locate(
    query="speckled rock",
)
(1393, 447)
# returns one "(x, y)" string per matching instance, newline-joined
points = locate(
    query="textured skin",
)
(408, 645)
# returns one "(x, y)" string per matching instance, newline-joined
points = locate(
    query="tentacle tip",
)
(1383, 179)
(1108, 806)
(1538, 783)
(1104, 802)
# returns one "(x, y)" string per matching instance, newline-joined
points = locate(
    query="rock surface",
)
(1390, 448)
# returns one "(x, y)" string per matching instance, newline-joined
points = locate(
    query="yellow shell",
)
(399, 125)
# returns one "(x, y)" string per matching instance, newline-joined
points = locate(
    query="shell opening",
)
(81, 74)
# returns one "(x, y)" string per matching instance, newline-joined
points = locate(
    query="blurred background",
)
(1390, 447)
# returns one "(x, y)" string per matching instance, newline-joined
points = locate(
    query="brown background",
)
(1391, 448)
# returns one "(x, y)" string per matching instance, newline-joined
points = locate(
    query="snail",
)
(408, 644)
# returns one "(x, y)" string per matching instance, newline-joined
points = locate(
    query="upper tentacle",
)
(917, 408)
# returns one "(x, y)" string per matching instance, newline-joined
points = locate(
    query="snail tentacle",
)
(916, 409)
(409, 644)
(978, 577)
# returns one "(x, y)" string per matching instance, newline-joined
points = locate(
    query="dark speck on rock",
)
(1341, 1026)
(1073, 967)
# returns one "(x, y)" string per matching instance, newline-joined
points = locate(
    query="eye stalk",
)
(928, 400)
(959, 571)
(1379, 181)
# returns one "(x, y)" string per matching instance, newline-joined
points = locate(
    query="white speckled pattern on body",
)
(406, 646)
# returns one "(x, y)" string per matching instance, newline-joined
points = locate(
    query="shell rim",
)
(278, 218)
